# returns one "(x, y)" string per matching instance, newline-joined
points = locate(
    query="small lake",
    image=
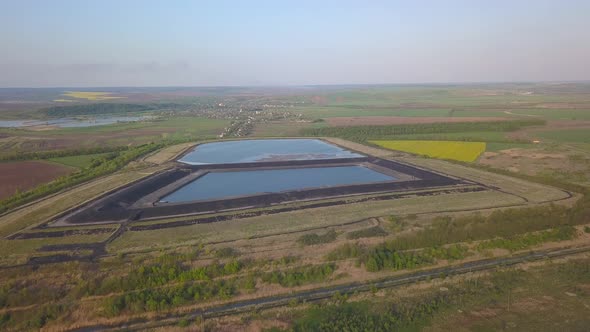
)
(218, 185)
(71, 122)
(245, 151)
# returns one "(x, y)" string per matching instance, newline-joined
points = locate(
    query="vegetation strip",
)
(328, 292)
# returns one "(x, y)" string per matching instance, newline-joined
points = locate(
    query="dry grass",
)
(301, 220)
(167, 154)
(534, 192)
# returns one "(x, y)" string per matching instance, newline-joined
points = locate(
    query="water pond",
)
(264, 150)
(216, 185)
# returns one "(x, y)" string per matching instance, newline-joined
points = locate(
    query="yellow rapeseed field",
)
(462, 151)
(89, 95)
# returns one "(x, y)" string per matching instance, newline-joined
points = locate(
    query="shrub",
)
(368, 232)
(313, 239)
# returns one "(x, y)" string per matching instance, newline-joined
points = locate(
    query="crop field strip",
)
(461, 151)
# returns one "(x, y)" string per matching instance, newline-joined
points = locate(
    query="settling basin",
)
(216, 185)
(264, 150)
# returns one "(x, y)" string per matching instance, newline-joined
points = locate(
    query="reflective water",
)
(264, 150)
(217, 185)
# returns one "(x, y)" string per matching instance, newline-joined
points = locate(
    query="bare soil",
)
(25, 175)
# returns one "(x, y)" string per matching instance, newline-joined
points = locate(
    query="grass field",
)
(461, 151)
(498, 146)
(120, 134)
(80, 161)
(336, 111)
(570, 135)
(283, 128)
(533, 192)
(554, 114)
(305, 219)
(471, 136)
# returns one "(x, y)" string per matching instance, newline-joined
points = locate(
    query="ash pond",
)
(217, 185)
(261, 150)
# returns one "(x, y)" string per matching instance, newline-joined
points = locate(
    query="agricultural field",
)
(566, 136)
(461, 151)
(91, 95)
(519, 198)
(391, 120)
(21, 176)
(78, 161)
(121, 134)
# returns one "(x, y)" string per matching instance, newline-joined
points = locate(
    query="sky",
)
(103, 43)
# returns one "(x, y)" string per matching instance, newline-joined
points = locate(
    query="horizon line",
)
(303, 85)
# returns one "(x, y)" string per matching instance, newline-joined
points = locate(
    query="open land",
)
(24, 175)
(472, 254)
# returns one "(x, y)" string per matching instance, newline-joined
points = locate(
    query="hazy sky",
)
(249, 42)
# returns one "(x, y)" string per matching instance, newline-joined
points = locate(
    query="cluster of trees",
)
(312, 238)
(363, 133)
(383, 258)
(300, 275)
(500, 223)
(33, 320)
(61, 153)
(523, 241)
(156, 299)
(159, 275)
(99, 167)
(392, 313)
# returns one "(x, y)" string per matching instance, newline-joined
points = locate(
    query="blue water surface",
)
(218, 185)
(264, 150)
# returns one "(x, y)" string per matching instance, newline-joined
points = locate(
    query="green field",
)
(498, 146)
(570, 135)
(80, 161)
(554, 114)
(461, 151)
(337, 111)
